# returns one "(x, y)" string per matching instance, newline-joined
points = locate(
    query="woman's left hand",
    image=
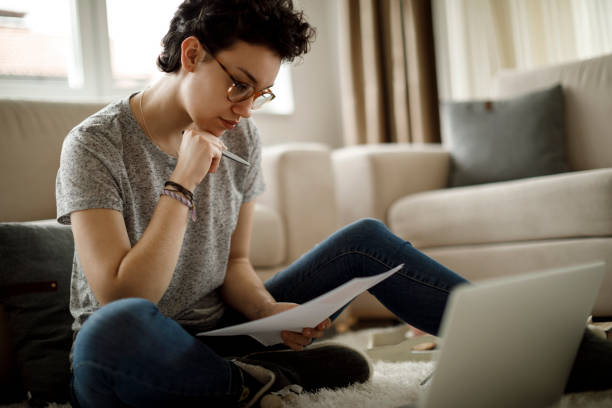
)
(297, 340)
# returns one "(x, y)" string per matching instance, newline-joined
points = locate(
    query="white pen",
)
(234, 157)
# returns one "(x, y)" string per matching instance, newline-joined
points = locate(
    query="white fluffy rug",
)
(395, 384)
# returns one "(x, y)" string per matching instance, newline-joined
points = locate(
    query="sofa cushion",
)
(268, 246)
(506, 139)
(586, 88)
(35, 268)
(570, 205)
(486, 261)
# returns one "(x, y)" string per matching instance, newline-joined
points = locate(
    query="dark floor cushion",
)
(506, 139)
(35, 267)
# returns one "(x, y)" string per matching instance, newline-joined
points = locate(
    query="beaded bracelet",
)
(177, 196)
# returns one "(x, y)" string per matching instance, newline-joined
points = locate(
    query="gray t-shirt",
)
(108, 162)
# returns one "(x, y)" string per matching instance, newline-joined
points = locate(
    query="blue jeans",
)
(128, 354)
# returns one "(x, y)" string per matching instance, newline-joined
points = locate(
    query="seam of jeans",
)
(358, 252)
(153, 386)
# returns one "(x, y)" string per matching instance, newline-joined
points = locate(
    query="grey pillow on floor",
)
(39, 322)
(506, 139)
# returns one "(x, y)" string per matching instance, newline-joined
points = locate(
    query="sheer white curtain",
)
(477, 38)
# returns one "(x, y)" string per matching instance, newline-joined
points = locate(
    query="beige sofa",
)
(297, 210)
(498, 228)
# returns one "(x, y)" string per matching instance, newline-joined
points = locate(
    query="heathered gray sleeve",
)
(86, 176)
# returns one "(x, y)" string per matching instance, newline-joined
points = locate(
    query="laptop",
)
(511, 342)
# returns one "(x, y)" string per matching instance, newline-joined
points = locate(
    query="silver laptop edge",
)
(511, 342)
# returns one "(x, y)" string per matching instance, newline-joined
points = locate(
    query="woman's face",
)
(206, 85)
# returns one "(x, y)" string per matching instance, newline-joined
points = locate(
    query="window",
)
(35, 37)
(90, 49)
(132, 53)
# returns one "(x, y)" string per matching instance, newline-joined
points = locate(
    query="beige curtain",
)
(475, 39)
(387, 71)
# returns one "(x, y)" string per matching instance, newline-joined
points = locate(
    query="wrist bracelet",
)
(188, 194)
(177, 196)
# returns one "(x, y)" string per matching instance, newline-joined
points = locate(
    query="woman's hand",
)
(199, 154)
(297, 340)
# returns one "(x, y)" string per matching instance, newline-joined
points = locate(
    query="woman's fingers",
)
(295, 340)
(325, 324)
(312, 333)
(216, 148)
(298, 340)
(216, 160)
(199, 154)
(214, 165)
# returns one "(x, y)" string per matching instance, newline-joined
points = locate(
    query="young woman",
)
(162, 224)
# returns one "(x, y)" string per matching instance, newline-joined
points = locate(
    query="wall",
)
(317, 116)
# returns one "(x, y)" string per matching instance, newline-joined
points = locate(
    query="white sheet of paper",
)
(267, 330)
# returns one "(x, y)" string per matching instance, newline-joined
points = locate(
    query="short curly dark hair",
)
(218, 24)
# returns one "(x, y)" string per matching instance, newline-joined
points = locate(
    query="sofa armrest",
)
(268, 243)
(300, 187)
(370, 178)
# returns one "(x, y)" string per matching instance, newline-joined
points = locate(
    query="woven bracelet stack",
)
(181, 194)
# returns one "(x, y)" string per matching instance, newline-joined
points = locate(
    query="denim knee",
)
(112, 324)
(369, 226)
(369, 229)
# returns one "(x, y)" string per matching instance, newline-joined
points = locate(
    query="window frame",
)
(90, 76)
(89, 70)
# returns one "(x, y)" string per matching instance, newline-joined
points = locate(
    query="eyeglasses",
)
(241, 91)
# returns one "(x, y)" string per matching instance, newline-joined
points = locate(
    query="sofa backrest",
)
(31, 136)
(587, 86)
(300, 186)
